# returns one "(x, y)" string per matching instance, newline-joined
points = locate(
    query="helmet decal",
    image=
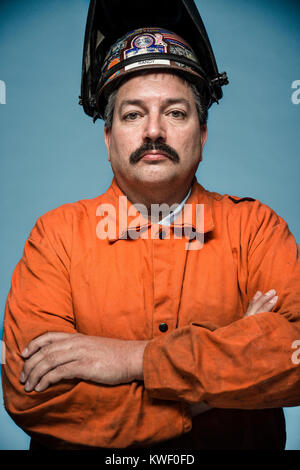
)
(144, 48)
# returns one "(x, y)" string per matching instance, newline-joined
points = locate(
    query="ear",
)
(107, 137)
(203, 137)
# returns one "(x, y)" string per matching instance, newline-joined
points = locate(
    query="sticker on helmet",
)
(183, 51)
(146, 44)
(117, 47)
(142, 63)
(145, 40)
(113, 62)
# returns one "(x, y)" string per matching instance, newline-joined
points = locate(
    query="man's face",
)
(151, 109)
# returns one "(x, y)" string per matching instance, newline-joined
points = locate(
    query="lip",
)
(154, 156)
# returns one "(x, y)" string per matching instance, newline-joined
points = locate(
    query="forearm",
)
(247, 364)
(66, 414)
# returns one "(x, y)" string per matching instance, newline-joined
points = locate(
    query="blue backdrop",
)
(51, 153)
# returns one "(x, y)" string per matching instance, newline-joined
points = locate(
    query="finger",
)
(268, 305)
(43, 340)
(256, 297)
(47, 353)
(251, 310)
(263, 299)
(62, 372)
(261, 302)
(49, 363)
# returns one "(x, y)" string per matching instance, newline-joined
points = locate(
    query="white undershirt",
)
(170, 218)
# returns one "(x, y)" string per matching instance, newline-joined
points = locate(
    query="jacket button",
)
(163, 327)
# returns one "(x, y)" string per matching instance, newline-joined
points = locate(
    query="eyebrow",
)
(141, 103)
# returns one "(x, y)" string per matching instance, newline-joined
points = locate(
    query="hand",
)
(54, 357)
(262, 302)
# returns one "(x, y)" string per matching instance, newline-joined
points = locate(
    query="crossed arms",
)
(56, 356)
(106, 392)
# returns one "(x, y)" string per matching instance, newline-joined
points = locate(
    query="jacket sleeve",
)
(251, 363)
(70, 414)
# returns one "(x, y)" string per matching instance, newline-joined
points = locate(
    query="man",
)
(125, 329)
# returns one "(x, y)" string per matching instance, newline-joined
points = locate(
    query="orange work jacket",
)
(190, 304)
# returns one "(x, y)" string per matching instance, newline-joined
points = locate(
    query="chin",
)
(156, 180)
(155, 176)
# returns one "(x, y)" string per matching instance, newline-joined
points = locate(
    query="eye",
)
(131, 116)
(176, 114)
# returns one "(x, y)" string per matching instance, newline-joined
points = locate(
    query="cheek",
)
(190, 144)
(122, 144)
(115, 146)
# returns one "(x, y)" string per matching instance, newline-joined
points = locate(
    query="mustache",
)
(157, 145)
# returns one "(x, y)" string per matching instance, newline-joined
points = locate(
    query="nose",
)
(154, 127)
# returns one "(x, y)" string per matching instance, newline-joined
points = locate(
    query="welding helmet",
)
(125, 37)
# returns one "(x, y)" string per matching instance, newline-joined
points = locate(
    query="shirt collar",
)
(122, 215)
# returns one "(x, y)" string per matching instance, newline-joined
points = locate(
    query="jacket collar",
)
(122, 216)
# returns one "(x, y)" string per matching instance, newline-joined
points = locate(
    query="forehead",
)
(158, 85)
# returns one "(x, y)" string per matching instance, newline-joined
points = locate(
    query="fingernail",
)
(37, 388)
(22, 377)
(25, 352)
(27, 387)
(258, 293)
(274, 300)
(270, 293)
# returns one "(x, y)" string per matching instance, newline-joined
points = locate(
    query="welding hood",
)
(108, 20)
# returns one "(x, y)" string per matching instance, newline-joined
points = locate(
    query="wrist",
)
(136, 360)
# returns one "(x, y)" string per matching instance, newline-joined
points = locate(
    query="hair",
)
(202, 108)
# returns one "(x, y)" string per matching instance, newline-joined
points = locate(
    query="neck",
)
(167, 194)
